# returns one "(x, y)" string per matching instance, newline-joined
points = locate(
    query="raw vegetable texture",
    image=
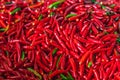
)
(59, 39)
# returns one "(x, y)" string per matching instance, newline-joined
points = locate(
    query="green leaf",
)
(15, 10)
(2, 29)
(70, 15)
(118, 40)
(89, 64)
(58, 61)
(70, 76)
(40, 17)
(55, 3)
(93, 1)
(23, 55)
(35, 73)
(54, 51)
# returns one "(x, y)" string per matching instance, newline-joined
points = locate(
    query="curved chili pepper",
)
(3, 24)
(96, 74)
(43, 66)
(73, 66)
(80, 47)
(89, 76)
(84, 57)
(56, 72)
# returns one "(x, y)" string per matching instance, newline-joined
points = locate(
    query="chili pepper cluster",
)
(59, 40)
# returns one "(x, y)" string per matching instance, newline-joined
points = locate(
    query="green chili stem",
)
(23, 55)
(8, 3)
(2, 29)
(93, 1)
(15, 10)
(58, 61)
(63, 77)
(70, 15)
(55, 3)
(118, 39)
(51, 14)
(105, 32)
(70, 76)
(112, 6)
(103, 7)
(54, 51)
(35, 73)
(50, 72)
(40, 17)
(115, 32)
(6, 53)
(89, 64)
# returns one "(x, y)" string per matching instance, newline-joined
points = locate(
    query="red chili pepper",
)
(3, 24)
(69, 8)
(74, 54)
(99, 23)
(54, 63)
(18, 51)
(84, 57)
(43, 66)
(113, 70)
(93, 40)
(72, 62)
(85, 32)
(94, 29)
(60, 41)
(80, 47)
(90, 73)
(81, 70)
(96, 74)
(55, 38)
(56, 72)
(36, 5)
(76, 17)
(62, 61)
(84, 28)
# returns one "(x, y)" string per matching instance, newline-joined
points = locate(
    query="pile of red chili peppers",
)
(60, 40)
